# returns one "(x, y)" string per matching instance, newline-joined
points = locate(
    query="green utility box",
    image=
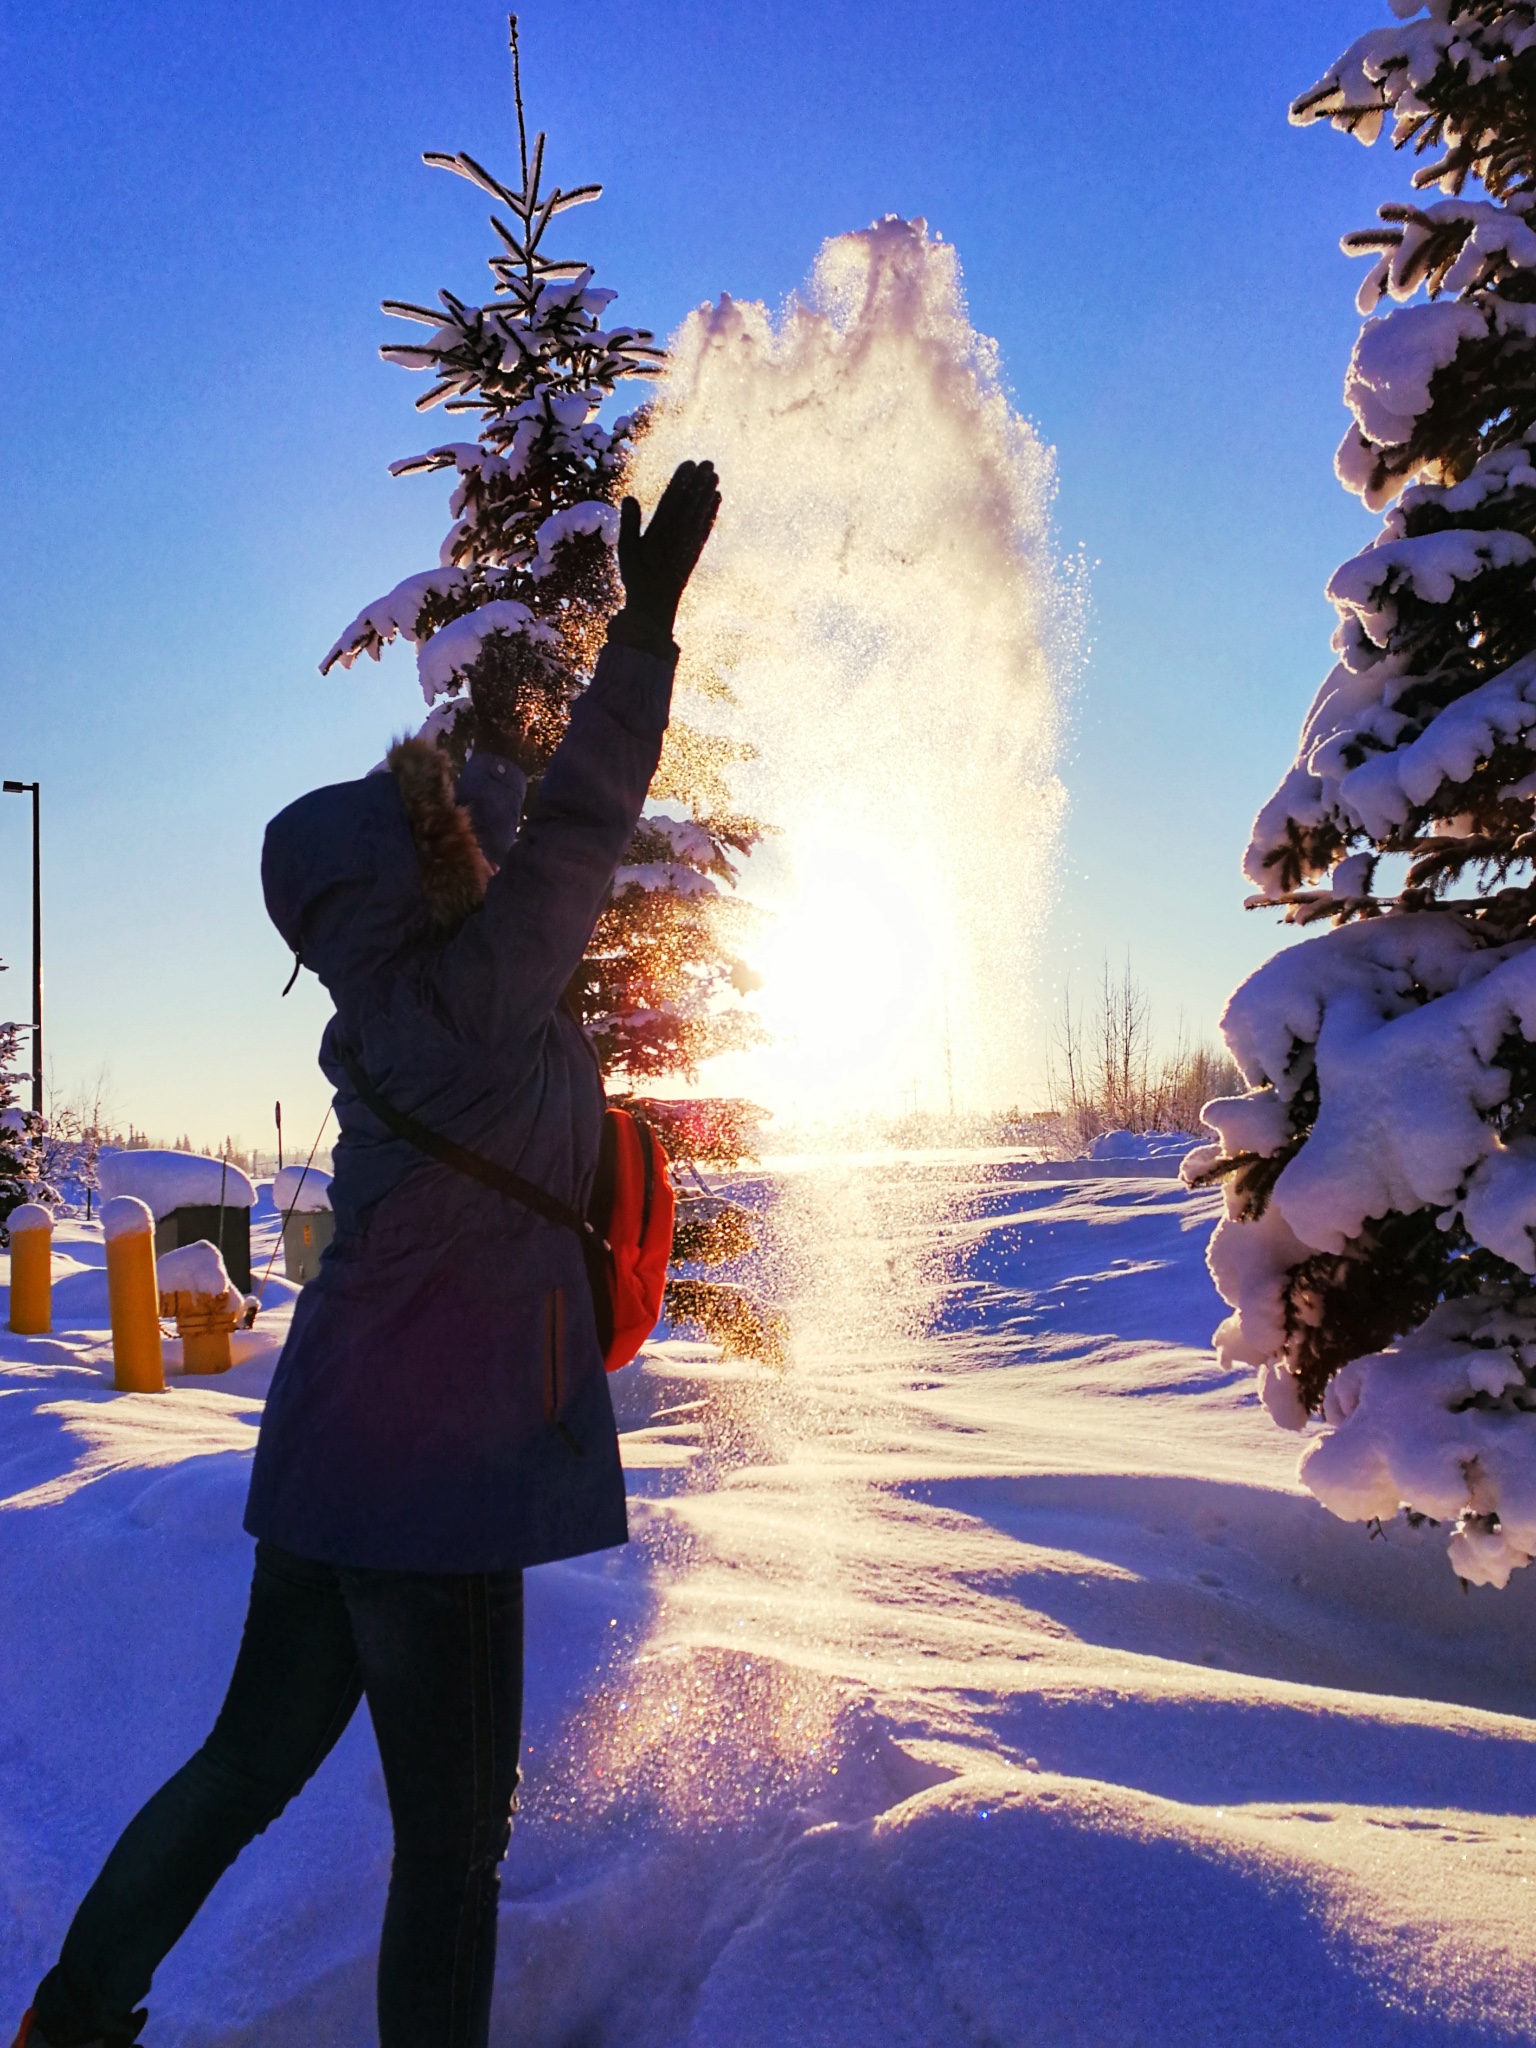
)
(191, 1198)
(228, 1228)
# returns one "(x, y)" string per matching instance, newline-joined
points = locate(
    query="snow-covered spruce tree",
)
(515, 613)
(1379, 1249)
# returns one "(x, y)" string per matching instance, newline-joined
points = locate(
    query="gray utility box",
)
(228, 1228)
(306, 1234)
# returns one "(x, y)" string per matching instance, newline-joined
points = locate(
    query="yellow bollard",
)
(203, 1323)
(195, 1289)
(129, 1228)
(31, 1228)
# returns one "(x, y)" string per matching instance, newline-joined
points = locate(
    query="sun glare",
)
(879, 599)
(853, 978)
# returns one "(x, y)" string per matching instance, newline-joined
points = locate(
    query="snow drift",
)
(983, 1676)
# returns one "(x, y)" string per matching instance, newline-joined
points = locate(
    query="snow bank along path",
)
(984, 1678)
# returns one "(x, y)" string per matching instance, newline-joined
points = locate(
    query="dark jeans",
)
(440, 1659)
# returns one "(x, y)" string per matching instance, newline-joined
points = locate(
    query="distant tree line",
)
(1105, 1072)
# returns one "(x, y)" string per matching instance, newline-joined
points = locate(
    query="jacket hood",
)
(356, 871)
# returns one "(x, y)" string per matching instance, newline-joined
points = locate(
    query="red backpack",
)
(631, 1211)
(626, 1234)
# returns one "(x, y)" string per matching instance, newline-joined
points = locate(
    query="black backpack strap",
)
(650, 1145)
(462, 1160)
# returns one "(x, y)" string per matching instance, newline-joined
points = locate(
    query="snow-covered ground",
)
(983, 1678)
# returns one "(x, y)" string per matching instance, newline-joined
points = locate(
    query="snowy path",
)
(984, 1679)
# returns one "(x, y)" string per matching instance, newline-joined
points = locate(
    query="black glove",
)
(657, 563)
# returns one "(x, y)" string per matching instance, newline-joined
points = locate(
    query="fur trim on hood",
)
(454, 872)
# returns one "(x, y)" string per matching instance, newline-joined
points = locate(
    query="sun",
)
(854, 972)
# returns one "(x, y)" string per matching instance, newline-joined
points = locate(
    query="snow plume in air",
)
(880, 602)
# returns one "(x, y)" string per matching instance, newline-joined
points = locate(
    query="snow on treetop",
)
(688, 840)
(1499, 1209)
(1387, 384)
(1499, 473)
(489, 358)
(590, 516)
(174, 1180)
(575, 294)
(1353, 876)
(398, 611)
(1442, 1419)
(674, 855)
(1431, 565)
(1383, 965)
(1405, 1017)
(1259, 1123)
(463, 456)
(672, 876)
(536, 363)
(1388, 68)
(1385, 788)
(443, 661)
(1362, 763)
(1375, 786)
(572, 408)
(1457, 244)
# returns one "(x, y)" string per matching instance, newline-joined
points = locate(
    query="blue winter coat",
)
(441, 1403)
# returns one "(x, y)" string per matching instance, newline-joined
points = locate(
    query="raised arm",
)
(503, 974)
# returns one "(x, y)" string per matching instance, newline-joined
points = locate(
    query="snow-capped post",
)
(128, 1225)
(196, 1290)
(513, 618)
(1379, 1246)
(31, 1228)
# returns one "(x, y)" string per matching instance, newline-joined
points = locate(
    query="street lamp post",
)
(34, 790)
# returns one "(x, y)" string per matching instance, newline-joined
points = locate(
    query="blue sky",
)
(202, 205)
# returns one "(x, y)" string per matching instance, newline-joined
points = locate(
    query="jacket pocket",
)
(554, 1369)
(554, 1352)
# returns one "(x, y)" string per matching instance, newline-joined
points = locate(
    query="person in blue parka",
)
(440, 1415)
